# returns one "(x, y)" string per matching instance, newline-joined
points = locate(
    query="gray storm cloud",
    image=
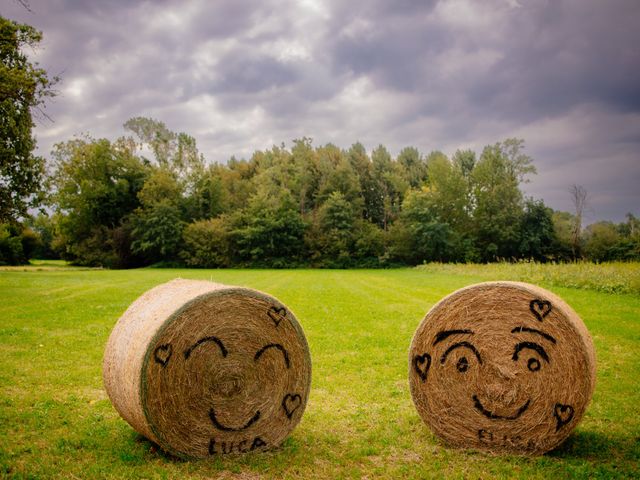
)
(241, 75)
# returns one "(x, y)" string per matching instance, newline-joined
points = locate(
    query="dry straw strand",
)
(503, 367)
(202, 368)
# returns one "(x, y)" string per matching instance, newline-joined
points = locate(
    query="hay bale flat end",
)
(205, 369)
(502, 366)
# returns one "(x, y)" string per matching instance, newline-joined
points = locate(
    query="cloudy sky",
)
(243, 75)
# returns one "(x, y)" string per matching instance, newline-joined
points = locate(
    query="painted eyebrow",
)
(447, 333)
(273, 345)
(216, 340)
(532, 346)
(533, 330)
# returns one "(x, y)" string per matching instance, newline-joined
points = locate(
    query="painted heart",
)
(421, 364)
(277, 314)
(162, 354)
(540, 308)
(290, 403)
(563, 414)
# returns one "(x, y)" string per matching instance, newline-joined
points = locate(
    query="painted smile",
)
(490, 414)
(224, 428)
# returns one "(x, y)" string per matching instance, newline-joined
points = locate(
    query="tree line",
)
(150, 198)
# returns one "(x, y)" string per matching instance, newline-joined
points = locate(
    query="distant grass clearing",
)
(55, 420)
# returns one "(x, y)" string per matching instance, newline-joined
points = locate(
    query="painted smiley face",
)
(237, 382)
(503, 367)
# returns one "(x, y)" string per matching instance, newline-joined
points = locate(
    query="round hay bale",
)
(502, 366)
(204, 369)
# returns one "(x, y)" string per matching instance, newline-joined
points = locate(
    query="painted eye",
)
(533, 364)
(463, 351)
(462, 365)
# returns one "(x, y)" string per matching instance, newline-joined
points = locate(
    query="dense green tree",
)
(157, 231)
(44, 227)
(399, 245)
(333, 232)
(337, 175)
(305, 175)
(628, 247)
(448, 193)
(413, 167)
(372, 202)
(206, 244)
(96, 185)
(24, 87)
(368, 245)
(11, 248)
(236, 179)
(537, 235)
(563, 224)
(498, 201)
(600, 240)
(464, 161)
(390, 185)
(432, 239)
(209, 198)
(161, 185)
(156, 226)
(274, 166)
(269, 232)
(370, 187)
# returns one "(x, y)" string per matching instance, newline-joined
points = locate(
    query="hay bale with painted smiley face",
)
(502, 366)
(205, 369)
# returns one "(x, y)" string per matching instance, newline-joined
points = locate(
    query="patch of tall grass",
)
(612, 277)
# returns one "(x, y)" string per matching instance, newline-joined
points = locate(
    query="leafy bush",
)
(157, 231)
(206, 244)
(11, 251)
(17, 243)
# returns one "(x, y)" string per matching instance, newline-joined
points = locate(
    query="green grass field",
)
(56, 421)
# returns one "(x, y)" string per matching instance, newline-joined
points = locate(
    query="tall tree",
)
(563, 233)
(498, 202)
(600, 240)
(448, 193)
(337, 175)
(96, 185)
(414, 167)
(269, 232)
(537, 235)
(175, 151)
(24, 86)
(390, 184)
(361, 164)
(305, 181)
(579, 199)
(432, 240)
(332, 236)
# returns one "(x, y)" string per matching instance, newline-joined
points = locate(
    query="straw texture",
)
(502, 366)
(205, 369)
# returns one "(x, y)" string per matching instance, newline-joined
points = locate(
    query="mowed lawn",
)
(56, 421)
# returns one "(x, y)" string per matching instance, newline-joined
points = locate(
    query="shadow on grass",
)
(599, 447)
(592, 446)
(154, 449)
